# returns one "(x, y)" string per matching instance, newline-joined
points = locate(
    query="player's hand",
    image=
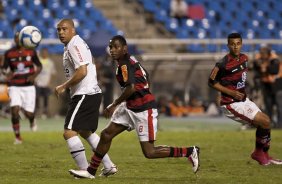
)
(238, 96)
(109, 110)
(59, 90)
(31, 78)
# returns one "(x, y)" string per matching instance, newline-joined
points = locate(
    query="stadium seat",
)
(196, 12)
(88, 17)
(256, 19)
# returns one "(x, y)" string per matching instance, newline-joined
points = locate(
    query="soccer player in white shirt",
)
(83, 112)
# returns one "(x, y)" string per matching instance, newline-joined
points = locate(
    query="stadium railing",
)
(7, 43)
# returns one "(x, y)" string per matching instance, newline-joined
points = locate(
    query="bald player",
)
(83, 111)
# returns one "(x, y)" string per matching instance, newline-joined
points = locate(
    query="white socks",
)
(93, 140)
(78, 152)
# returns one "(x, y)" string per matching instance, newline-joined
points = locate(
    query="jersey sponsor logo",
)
(21, 69)
(244, 76)
(124, 73)
(214, 73)
(242, 84)
(78, 53)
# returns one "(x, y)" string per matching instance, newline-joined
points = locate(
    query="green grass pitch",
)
(44, 158)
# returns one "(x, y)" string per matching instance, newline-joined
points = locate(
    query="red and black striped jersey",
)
(21, 62)
(231, 72)
(130, 71)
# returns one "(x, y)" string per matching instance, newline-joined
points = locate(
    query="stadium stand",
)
(45, 14)
(214, 19)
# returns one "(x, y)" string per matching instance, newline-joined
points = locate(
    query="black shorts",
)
(83, 112)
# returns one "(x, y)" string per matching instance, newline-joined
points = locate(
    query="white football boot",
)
(81, 174)
(195, 159)
(108, 172)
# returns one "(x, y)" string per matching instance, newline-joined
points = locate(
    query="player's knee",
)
(149, 154)
(68, 134)
(85, 134)
(15, 111)
(263, 121)
(29, 115)
(266, 123)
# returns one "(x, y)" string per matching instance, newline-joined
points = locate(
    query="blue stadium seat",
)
(181, 34)
(161, 16)
(196, 48)
(149, 6)
(45, 17)
(171, 24)
(256, 19)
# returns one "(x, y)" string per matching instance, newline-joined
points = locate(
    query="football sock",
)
(94, 163)
(16, 128)
(180, 151)
(93, 141)
(78, 152)
(267, 144)
(262, 139)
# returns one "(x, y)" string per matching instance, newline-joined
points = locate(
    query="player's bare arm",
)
(37, 71)
(78, 76)
(235, 94)
(127, 92)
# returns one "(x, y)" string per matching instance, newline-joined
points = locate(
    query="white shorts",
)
(243, 112)
(145, 122)
(23, 97)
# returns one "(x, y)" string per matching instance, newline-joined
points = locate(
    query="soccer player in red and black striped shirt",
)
(229, 77)
(20, 65)
(135, 109)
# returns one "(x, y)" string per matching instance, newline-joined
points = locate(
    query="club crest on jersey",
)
(124, 73)
(242, 84)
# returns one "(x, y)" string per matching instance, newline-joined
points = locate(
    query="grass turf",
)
(225, 155)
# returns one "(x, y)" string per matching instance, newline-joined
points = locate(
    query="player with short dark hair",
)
(83, 112)
(19, 64)
(229, 77)
(135, 109)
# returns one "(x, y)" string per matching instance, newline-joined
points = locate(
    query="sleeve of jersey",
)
(76, 54)
(127, 74)
(215, 74)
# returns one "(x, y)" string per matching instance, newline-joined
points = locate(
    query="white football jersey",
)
(76, 54)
